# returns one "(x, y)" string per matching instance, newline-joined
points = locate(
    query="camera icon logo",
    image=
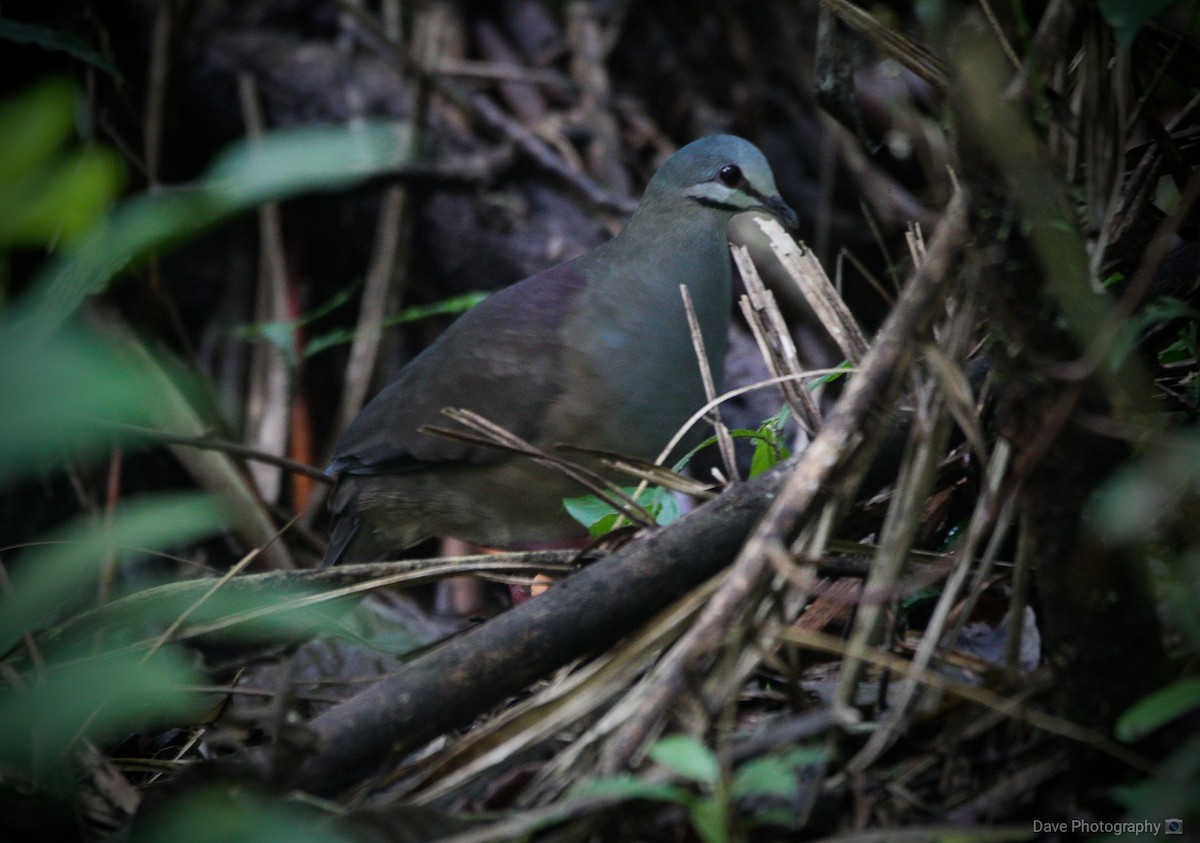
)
(1173, 826)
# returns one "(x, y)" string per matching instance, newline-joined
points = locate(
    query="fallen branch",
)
(467, 675)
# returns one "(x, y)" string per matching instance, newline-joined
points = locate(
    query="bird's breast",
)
(632, 352)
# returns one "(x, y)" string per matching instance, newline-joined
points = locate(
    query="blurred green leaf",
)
(62, 200)
(1141, 493)
(710, 819)
(34, 126)
(98, 699)
(445, 307)
(1184, 348)
(46, 579)
(49, 192)
(286, 162)
(234, 813)
(1173, 790)
(1126, 17)
(250, 173)
(1017, 149)
(246, 610)
(688, 757)
(180, 400)
(55, 39)
(329, 339)
(1160, 310)
(394, 643)
(774, 775)
(285, 613)
(280, 334)
(631, 787)
(1158, 709)
(61, 392)
(662, 505)
(450, 306)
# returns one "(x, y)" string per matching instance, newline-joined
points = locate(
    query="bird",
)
(594, 353)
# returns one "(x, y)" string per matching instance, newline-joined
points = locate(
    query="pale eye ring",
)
(730, 174)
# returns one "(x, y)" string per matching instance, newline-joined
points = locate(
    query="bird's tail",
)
(345, 528)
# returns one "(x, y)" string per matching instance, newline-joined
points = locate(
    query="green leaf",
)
(631, 787)
(1160, 310)
(281, 334)
(62, 392)
(340, 336)
(774, 775)
(49, 577)
(662, 505)
(599, 517)
(1158, 709)
(688, 757)
(766, 456)
(1141, 493)
(48, 192)
(34, 126)
(273, 331)
(1126, 17)
(235, 812)
(769, 448)
(709, 819)
(445, 307)
(262, 615)
(394, 643)
(60, 201)
(57, 40)
(1184, 348)
(589, 510)
(331, 304)
(1173, 790)
(842, 369)
(308, 158)
(266, 169)
(98, 699)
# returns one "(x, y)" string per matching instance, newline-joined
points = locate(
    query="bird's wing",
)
(504, 359)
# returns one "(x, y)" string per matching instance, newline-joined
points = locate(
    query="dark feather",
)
(502, 359)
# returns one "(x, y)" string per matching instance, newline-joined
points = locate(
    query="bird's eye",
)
(730, 174)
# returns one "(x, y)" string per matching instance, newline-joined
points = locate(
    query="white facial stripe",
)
(714, 192)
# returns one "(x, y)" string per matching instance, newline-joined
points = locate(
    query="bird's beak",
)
(783, 212)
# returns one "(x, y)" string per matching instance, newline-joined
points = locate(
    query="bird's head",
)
(722, 172)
